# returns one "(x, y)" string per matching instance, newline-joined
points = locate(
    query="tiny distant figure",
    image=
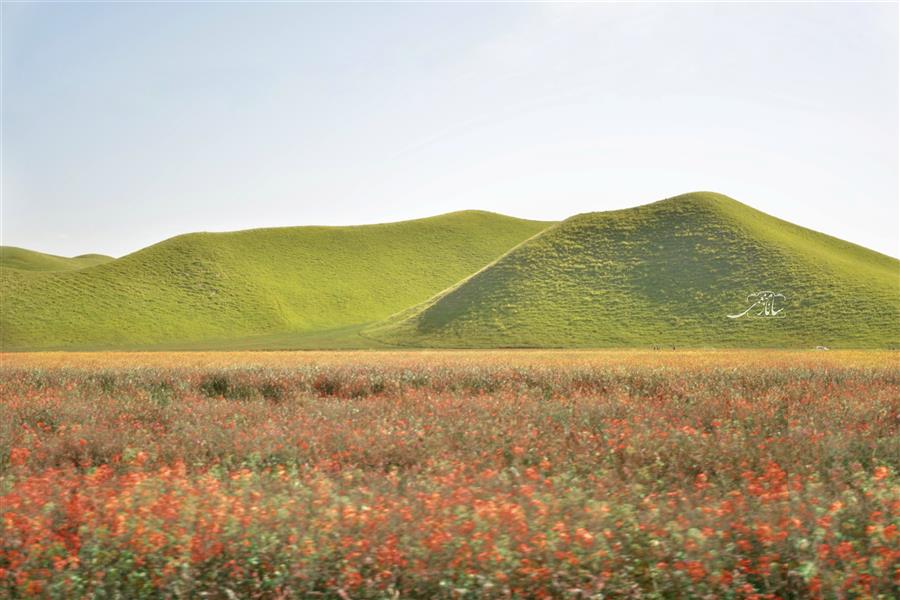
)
(673, 347)
(821, 347)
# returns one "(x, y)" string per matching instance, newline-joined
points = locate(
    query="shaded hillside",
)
(665, 273)
(213, 287)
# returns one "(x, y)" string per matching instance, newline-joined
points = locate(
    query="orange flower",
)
(695, 570)
(18, 456)
(354, 579)
(584, 537)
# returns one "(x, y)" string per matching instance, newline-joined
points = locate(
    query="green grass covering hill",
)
(29, 260)
(283, 287)
(665, 273)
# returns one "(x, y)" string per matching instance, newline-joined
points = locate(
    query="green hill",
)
(665, 273)
(283, 287)
(29, 260)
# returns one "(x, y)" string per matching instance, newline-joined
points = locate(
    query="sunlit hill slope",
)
(210, 289)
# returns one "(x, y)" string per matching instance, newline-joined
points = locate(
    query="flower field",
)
(738, 474)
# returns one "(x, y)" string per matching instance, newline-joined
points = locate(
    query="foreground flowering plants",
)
(475, 475)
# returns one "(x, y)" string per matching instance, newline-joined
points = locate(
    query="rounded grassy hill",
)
(668, 273)
(215, 289)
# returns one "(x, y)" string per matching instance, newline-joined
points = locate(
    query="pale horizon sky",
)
(126, 124)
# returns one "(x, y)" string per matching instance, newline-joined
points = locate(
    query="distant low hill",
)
(278, 287)
(29, 260)
(667, 273)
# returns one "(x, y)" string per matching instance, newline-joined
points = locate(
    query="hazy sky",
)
(127, 124)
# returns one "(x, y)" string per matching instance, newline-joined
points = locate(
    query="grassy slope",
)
(259, 288)
(29, 260)
(665, 273)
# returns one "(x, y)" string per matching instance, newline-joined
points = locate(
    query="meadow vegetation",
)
(740, 474)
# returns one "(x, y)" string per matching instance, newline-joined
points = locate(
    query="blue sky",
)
(127, 124)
